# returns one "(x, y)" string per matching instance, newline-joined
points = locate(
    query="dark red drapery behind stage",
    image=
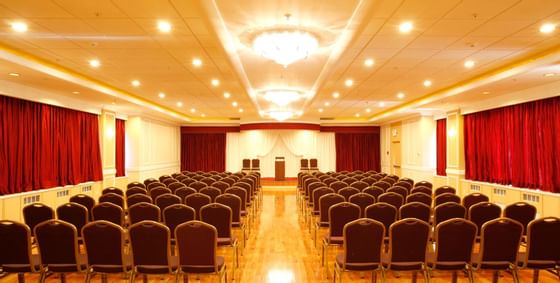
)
(43, 146)
(120, 147)
(357, 151)
(517, 145)
(203, 151)
(441, 147)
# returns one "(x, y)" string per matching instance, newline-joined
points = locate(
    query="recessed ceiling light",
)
(240, 110)
(161, 95)
(76, 92)
(547, 27)
(196, 62)
(406, 27)
(234, 104)
(94, 63)
(193, 110)
(357, 115)
(336, 94)
(400, 95)
(427, 83)
(320, 110)
(485, 92)
(348, 82)
(113, 103)
(327, 104)
(202, 115)
(135, 83)
(19, 26)
(13, 74)
(227, 95)
(381, 104)
(300, 113)
(368, 110)
(180, 104)
(549, 74)
(215, 82)
(369, 62)
(164, 26)
(469, 64)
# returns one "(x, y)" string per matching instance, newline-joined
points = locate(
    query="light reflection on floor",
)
(280, 276)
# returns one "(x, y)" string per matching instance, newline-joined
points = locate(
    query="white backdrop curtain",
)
(291, 144)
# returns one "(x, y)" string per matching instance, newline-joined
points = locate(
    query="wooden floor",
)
(281, 250)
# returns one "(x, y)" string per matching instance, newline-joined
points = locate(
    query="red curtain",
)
(203, 151)
(357, 151)
(441, 145)
(43, 146)
(119, 147)
(517, 145)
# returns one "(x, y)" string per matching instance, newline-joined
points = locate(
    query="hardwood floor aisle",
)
(280, 250)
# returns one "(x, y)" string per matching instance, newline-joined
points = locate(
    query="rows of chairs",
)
(331, 200)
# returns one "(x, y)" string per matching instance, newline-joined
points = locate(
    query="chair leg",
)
(104, 278)
(495, 277)
(414, 276)
(145, 278)
(132, 275)
(427, 275)
(21, 278)
(515, 275)
(373, 276)
(454, 277)
(43, 275)
(535, 276)
(62, 278)
(88, 275)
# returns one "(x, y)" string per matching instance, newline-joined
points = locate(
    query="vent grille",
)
(235, 118)
(31, 199)
(86, 189)
(500, 191)
(531, 198)
(326, 118)
(63, 193)
(475, 187)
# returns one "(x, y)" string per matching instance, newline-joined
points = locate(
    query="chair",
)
(328, 181)
(399, 190)
(523, 212)
(304, 165)
(339, 215)
(543, 247)
(154, 185)
(499, 244)
(444, 190)
(138, 198)
(135, 191)
(374, 191)
(211, 192)
(388, 180)
(419, 197)
(220, 216)
(112, 198)
(135, 184)
(207, 180)
(143, 211)
(349, 180)
(246, 164)
(234, 203)
(164, 177)
(448, 210)
(198, 185)
(454, 240)
(348, 192)
(175, 186)
(75, 214)
(188, 181)
(16, 255)
(220, 185)
(384, 213)
(151, 249)
(58, 248)
(483, 212)
(317, 194)
(474, 198)
(382, 184)
(362, 200)
(359, 185)
(176, 214)
(313, 164)
(338, 185)
(197, 201)
(184, 192)
(445, 198)
(156, 192)
(424, 184)
(112, 190)
(166, 200)
(242, 194)
(108, 211)
(369, 180)
(105, 249)
(393, 199)
(197, 243)
(363, 247)
(84, 200)
(36, 213)
(421, 189)
(406, 180)
(325, 203)
(229, 180)
(167, 182)
(149, 181)
(408, 253)
(255, 165)
(416, 210)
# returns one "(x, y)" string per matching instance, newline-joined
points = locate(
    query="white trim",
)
(418, 168)
(510, 187)
(109, 171)
(153, 167)
(455, 171)
(41, 191)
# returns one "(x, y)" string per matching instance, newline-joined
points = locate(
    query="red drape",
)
(43, 146)
(119, 147)
(357, 151)
(517, 145)
(205, 152)
(441, 145)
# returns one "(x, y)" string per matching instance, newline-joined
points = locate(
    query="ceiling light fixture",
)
(215, 82)
(19, 26)
(202, 115)
(75, 92)
(469, 64)
(193, 110)
(320, 110)
(94, 63)
(381, 104)
(234, 104)
(327, 104)
(349, 82)
(196, 62)
(180, 104)
(336, 95)
(240, 110)
(427, 83)
(135, 83)
(549, 74)
(161, 95)
(547, 28)
(164, 26)
(406, 27)
(280, 115)
(368, 110)
(400, 95)
(227, 95)
(485, 92)
(369, 62)
(357, 115)
(282, 97)
(13, 74)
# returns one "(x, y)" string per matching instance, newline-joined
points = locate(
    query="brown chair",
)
(151, 249)
(363, 247)
(445, 198)
(454, 240)
(105, 249)
(137, 198)
(382, 184)
(228, 180)
(36, 213)
(197, 243)
(58, 247)
(197, 201)
(143, 211)
(448, 210)
(164, 177)
(362, 200)
(317, 194)
(523, 212)
(304, 165)
(416, 210)
(198, 185)
(135, 191)
(234, 203)
(169, 181)
(399, 190)
(349, 180)
(499, 245)
(407, 180)
(154, 185)
(384, 213)
(207, 180)
(184, 192)
(135, 184)
(403, 184)
(246, 164)
(338, 185)
(220, 185)
(472, 199)
(359, 185)
(393, 199)
(328, 181)
(255, 165)
(313, 164)
(112, 198)
(325, 203)
(369, 180)
(242, 194)
(424, 184)
(156, 192)
(175, 186)
(16, 255)
(166, 200)
(149, 181)
(188, 181)
(75, 214)
(86, 201)
(348, 192)
(408, 253)
(113, 190)
(543, 247)
(108, 211)
(419, 197)
(373, 191)
(339, 215)
(421, 189)
(483, 212)
(211, 192)
(220, 216)
(175, 215)
(444, 190)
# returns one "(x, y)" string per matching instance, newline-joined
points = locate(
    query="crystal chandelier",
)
(285, 46)
(280, 115)
(282, 97)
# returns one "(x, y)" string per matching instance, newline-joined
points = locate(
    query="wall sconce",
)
(451, 132)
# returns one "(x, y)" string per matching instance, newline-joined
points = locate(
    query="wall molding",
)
(153, 167)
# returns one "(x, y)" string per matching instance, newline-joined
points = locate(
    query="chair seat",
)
(227, 241)
(334, 240)
(536, 264)
(17, 268)
(362, 266)
(445, 265)
(243, 212)
(220, 262)
(492, 265)
(127, 266)
(159, 269)
(323, 224)
(404, 266)
(80, 265)
(237, 224)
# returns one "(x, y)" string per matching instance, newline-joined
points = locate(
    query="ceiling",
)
(501, 36)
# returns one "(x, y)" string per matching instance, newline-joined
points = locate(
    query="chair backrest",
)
(382, 184)
(150, 245)
(339, 215)
(329, 180)
(416, 210)
(113, 190)
(144, 211)
(393, 199)
(406, 252)
(360, 185)
(499, 244)
(177, 214)
(419, 197)
(374, 191)
(166, 200)
(446, 197)
(241, 193)
(156, 192)
(36, 213)
(384, 213)
(211, 192)
(219, 216)
(369, 180)
(454, 240)
(406, 180)
(313, 164)
(399, 190)
(184, 192)
(362, 200)
(304, 164)
(255, 164)
(338, 185)
(421, 189)
(149, 181)
(73, 213)
(388, 180)
(164, 177)
(58, 246)
(15, 245)
(84, 200)
(543, 247)
(108, 211)
(197, 201)
(363, 241)
(137, 198)
(472, 199)
(348, 192)
(246, 163)
(444, 190)
(483, 212)
(135, 191)
(188, 181)
(423, 184)
(175, 186)
(154, 185)
(349, 180)
(247, 187)
(169, 181)
(135, 184)
(229, 180)
(317, 194)
(234, 203)
(104, 244)
(112, 198)
(404, 184)
(523, 212)
(448, 210)
(325, 203)
(197, 243)
(220, 185)
(207, 180)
